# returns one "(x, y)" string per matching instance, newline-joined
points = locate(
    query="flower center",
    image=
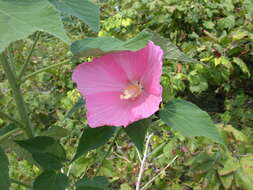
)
(132, 91)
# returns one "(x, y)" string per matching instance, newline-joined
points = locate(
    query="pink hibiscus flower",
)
(122, 87)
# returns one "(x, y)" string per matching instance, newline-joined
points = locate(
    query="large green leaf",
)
(50, 180)
(85, 10)
(4, 174)
(46, 151)
(190, 120)
(97, 183)
(137, 132)
(93, 138)
(101, 45)
(19, 19)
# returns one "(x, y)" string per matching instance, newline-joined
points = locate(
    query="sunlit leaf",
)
(85, 10)
(190, 120)
(19, 19)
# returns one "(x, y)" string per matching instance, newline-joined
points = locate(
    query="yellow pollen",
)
(132, 91)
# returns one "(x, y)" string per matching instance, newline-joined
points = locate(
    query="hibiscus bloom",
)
(122, 87)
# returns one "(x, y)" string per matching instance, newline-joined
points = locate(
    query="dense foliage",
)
(217, 39)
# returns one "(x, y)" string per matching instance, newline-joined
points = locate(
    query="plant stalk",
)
(23, 69)
(17, 95)
(42, 70)
(108, 151)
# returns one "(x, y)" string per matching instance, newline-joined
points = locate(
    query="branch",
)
(17, 95)
(138, 183)
(162, 170)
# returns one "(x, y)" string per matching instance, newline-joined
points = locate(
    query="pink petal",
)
(146, 105)
(133, 63)
(152, 75)
(107, 109)
(100, 75)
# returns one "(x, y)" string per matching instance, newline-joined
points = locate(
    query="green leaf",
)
(4, 174)
(97, 183)
(242, 65)
(50, 180)
(93, 138)
(102, 45)
(55, 132)
(190, 120)
(19, 19)
(171, 51)
(85, 10)
(46, 151)
(244, 175)
(137, 132)
(79, 104)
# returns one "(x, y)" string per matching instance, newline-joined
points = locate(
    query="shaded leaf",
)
(97, 183)
(190, 120)
(50, 180)
(93, 138)
(85, 10)
(19, 19)
(102, 45)
(4, 174)
(137, 132)
(46, 151)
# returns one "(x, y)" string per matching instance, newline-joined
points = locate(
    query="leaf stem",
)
(10, 133)
(43, 70)
(9, 118)
(23, 69)
(108, 151)
(17, 95)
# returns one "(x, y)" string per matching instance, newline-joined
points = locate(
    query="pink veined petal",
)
(133, 63)
(152, 75)
(146, 105)
(100, 75)
(107, 109)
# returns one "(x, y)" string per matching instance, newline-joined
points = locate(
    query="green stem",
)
(108, 151)
(23, 69)
(17, 95)
(43, 70)
(10, 133)
(21, 183)
(9, 118)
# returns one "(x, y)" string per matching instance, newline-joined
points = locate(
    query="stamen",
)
(132, 91)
